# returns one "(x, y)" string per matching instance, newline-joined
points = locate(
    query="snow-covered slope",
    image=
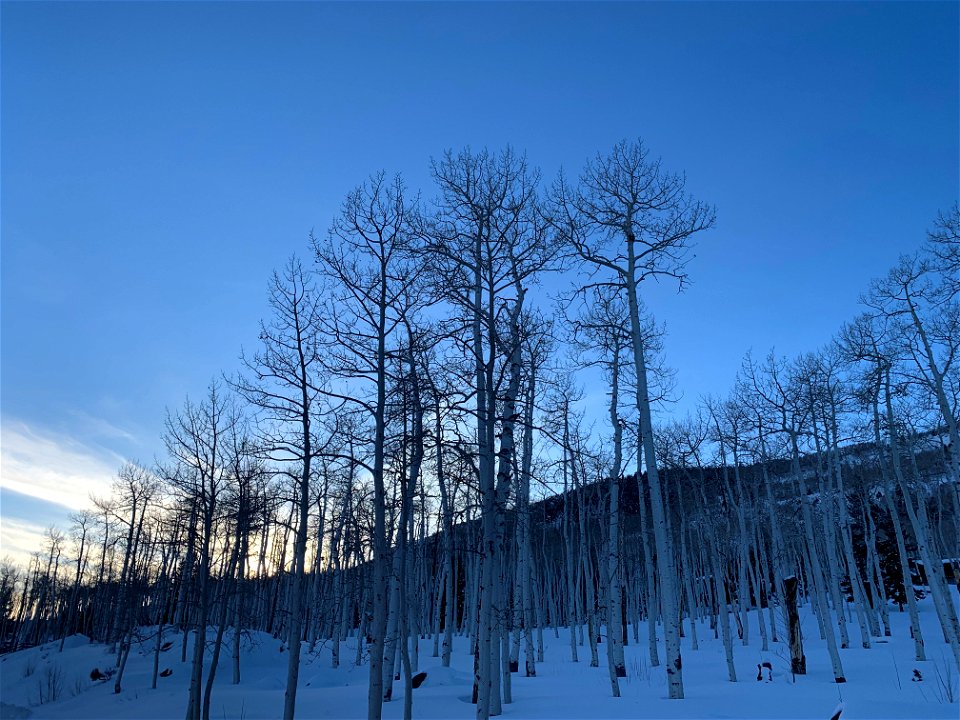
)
(44, 683)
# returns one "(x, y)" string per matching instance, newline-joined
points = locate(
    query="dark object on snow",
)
(917, 677)
(95, 675)
(514, 666)
(166, 672)
(836, 715)
(765, 666)
(166, 646)
(417, 680)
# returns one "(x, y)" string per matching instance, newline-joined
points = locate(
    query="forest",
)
(457, 427)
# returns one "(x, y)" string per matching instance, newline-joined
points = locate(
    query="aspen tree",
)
(632, 220)
(486, 242)
(369, 265)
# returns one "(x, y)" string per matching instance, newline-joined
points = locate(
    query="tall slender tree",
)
(631, 220)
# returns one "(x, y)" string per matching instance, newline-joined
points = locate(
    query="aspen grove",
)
(454, 435)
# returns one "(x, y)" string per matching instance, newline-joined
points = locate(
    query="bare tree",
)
(630, 220)
(82, 528)
(134, 489)
(368, 264)
(863, 341)
(487, 242)
(603, 330)
(195, 439)
(944, 246)
(282, 383)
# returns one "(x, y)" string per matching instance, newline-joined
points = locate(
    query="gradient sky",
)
(159, 160)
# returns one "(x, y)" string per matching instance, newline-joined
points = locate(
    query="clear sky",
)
(159, 160)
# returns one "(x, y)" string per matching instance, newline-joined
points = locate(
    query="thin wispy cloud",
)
(101, 428)
(19, 539)
(53, 467)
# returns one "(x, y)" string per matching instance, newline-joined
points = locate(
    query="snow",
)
(41, 682)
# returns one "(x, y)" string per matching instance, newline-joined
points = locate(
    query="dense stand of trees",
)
(371, 471)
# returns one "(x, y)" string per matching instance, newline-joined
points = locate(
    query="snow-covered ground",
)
(44, 683)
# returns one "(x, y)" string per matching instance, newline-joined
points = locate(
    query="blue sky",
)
(159, 160)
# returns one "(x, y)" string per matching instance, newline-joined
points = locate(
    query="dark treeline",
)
(408, 453)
